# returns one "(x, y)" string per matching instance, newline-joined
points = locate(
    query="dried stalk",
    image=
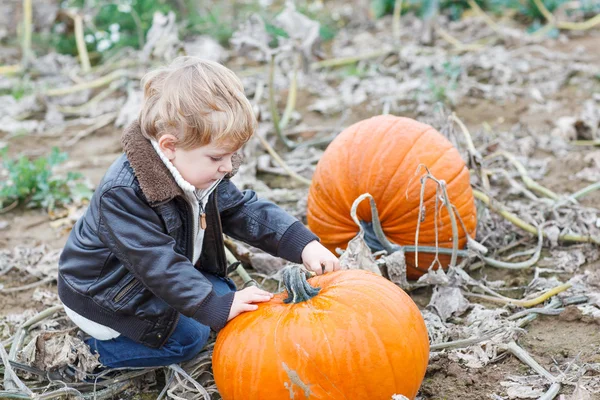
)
(240, 270)
(27, 32)
(273, 105)
(585, 191)
(554, 304)
(10, 69)
(462, 342)
(282, 163)
(396, 22)
(9, 207)
(441, 185)
(336, 62)
(524, 356)
(292, 94)
(101, 122)
(530, 183)
(290, 104)
(552, 392)
(523, 264)
(84, 58)
(80, 109)
(523, 303)
(543, 311)
(467, 135)
(389, 246)
(11, 380)
(29, 286)
(490, 22)
(178, 370)
(138, 27)
(574, 26)
(460, 46)
(96, 83)
(64, 391)
(586, 142)
(512, 218)
(19, 337)
(530, 195)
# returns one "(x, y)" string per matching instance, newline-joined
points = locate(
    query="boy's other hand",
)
(318, 259)
(244, 300)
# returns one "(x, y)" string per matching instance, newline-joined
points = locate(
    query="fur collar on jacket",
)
(156, 181)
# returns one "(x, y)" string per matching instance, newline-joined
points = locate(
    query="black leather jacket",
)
(127, 263)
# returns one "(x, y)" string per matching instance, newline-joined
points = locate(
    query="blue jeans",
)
(186, 341)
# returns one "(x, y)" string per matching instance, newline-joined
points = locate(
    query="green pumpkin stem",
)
(298, 288)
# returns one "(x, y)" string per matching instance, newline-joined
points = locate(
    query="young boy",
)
(144, 270)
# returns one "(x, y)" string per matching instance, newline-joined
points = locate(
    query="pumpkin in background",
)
(360, 337)
(381, 156)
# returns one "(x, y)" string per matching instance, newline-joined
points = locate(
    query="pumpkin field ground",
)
(531, 96)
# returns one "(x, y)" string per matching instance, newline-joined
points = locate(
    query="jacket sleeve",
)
(261, 223)
(134, 232)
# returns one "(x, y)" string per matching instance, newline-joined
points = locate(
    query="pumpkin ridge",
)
(391, 126)
(392, 178)
(352, 307)
(321, 200)
(425, 197)
(331, 352)
(384, 291)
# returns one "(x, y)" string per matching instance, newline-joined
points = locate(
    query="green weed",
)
(32, 183)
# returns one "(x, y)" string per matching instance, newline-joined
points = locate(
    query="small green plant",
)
(115, 24)
(526, 9)
(441, 86)
(19, 90)
(33, 184)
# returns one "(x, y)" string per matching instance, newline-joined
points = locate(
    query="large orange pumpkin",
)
(381, 156)
(360, 337)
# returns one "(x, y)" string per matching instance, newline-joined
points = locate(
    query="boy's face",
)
(200, 166)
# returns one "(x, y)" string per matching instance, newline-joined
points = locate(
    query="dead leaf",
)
(447, 301)
(358, 256)
(396, 268)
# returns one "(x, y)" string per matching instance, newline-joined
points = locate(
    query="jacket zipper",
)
(219, 239)
(126, 289)
(189, 233)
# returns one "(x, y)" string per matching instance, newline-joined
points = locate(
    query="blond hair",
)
(198, 101)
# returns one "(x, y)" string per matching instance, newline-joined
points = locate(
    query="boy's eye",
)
(216, 159)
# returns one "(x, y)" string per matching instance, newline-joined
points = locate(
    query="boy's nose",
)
(227, 166)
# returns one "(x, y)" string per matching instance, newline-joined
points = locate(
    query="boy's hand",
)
(243, 300)
(318, 259)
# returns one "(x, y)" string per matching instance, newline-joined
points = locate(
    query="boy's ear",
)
(167, 144)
